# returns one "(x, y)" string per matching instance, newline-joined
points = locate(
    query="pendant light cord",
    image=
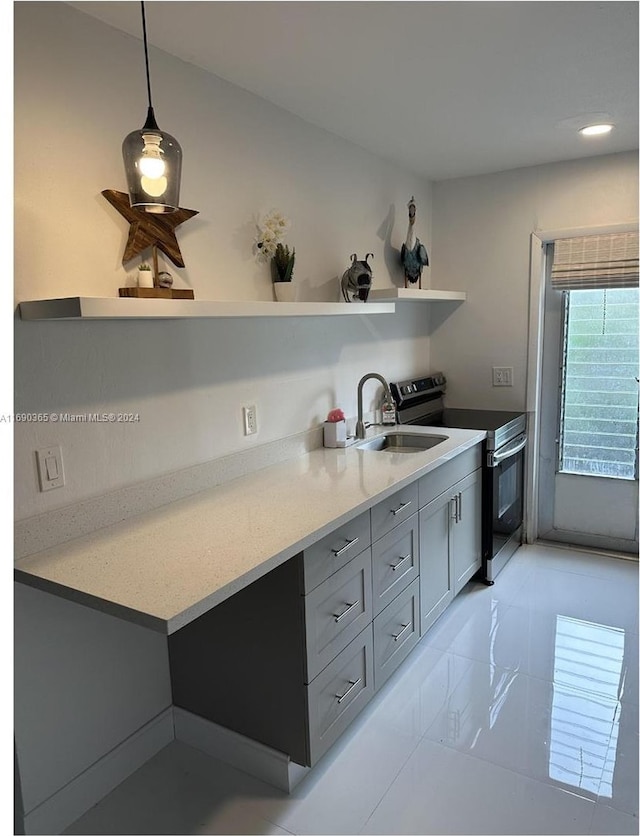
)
(146, 51)
(151, 123)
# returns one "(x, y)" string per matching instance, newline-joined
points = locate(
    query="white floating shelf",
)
(407, 294)
(94, 307)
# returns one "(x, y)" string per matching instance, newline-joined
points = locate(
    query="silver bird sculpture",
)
(357, 280)
(413, 254)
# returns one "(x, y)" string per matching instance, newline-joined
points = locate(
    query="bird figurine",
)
(413, 254)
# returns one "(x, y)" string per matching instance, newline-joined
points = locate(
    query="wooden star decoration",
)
(148, 229)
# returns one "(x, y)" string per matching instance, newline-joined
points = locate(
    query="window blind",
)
(595, 261)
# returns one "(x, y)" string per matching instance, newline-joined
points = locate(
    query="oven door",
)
(505, 474)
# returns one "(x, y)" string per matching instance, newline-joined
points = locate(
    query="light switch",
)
(50, 469)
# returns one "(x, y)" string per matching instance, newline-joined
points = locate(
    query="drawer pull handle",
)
(352, 685)
(401, 507)
(459, 507)
(339, 618)
(348, 544)
(404, 627)
(397, 565)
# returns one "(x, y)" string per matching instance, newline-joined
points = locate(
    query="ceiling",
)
(446, 89)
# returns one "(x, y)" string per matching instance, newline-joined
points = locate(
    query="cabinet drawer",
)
(336, 611)
(396, 632)
(324, 558)
(443, 477)
(339, 693)
(392, 511)
(395, 562)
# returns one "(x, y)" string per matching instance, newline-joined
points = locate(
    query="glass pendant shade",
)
(153, 165)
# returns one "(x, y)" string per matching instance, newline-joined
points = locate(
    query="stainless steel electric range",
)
(420, 402)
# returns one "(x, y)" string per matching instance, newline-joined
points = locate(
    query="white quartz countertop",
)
(166, 567)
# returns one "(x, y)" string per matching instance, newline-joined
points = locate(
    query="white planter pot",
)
(335, 433)
(145, 278)
(286, 291)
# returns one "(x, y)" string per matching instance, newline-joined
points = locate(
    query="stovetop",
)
(478, 419)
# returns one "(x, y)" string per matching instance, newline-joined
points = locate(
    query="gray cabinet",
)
(436, 587)
(293, 658)
(465, 543)
(396, 569)
(450, 532)
(288, 669)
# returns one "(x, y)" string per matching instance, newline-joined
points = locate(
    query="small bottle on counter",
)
(388, 410)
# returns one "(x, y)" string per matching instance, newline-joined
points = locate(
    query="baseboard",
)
(570, 546)
(79, 795)
(235, 749)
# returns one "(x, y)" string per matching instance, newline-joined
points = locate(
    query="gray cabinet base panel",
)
(243, 753)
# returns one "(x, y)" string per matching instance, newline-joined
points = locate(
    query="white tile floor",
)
(517, 714)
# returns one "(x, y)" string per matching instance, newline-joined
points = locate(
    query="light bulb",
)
(151, 167)
(151, 164)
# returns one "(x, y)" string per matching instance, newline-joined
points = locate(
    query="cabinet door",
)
(436, 589)
(466, 542)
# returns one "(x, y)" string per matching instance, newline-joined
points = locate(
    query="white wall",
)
(481, 233)
(79, 90)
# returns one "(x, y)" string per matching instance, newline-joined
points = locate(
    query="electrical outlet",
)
(50, 468)
(503, 375)
(250, 420)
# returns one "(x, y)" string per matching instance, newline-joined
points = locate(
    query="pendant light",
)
(152, 158)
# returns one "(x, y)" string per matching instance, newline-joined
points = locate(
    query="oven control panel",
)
(408, 391)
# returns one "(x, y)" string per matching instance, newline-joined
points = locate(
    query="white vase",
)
(286, 291)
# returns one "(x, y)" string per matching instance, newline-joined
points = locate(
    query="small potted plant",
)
(145, 275)
(269, 247)
(282, 265)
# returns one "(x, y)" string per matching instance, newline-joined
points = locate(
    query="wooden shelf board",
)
(94, 307)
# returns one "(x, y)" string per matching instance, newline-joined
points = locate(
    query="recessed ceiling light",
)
(596, 130)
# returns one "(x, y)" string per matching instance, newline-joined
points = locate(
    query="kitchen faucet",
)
(360, 431)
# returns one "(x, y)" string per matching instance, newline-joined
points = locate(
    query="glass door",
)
(588, 486)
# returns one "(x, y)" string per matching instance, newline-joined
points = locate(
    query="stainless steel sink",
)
(402, 442)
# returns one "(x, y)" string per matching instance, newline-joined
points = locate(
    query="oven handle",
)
(494, 459)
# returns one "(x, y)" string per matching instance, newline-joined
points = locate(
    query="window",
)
(599, 403)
